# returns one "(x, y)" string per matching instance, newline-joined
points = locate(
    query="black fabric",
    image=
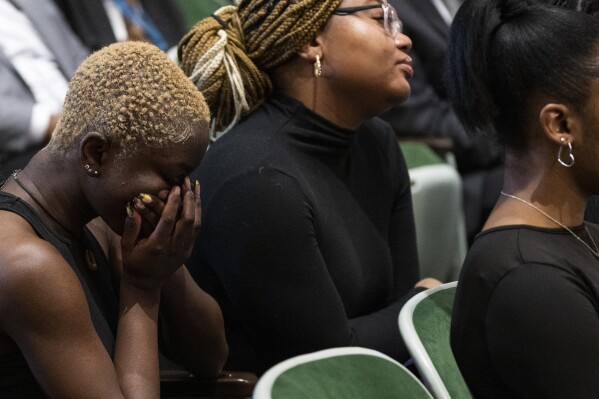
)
(526, 314)
(89, 21)
(16, 379)
(307, 237)
(592, 211)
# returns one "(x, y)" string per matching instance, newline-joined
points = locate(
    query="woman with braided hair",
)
(79, 306)
(308, 235)
(526, 312)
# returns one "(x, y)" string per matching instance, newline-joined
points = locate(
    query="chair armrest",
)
(230, 384)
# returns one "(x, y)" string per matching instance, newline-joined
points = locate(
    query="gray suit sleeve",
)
(16, 104)
(16, 99)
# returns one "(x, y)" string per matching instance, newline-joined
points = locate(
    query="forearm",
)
(380, 331)
(193, 326)
(136, 348)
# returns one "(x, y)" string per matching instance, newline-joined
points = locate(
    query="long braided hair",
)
(228, 55)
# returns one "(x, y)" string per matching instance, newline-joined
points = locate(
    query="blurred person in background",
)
(102, 22)
(428, 112)
(38, 55)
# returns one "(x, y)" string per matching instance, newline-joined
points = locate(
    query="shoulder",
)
(379, 127)
(256, 145)
(256, 189)
(245, 146)
(250, 211)
(378, 133)
(35, 280)
(506, 247)
(493, 254)
(377, 140)
(514, 258)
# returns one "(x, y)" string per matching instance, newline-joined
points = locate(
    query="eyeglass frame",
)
(387, 9)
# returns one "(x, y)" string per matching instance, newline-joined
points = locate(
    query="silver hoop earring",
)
(91, 172)
(559, 154)
(317, 67)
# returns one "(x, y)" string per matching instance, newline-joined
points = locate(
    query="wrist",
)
(142, 286)
(144, 278)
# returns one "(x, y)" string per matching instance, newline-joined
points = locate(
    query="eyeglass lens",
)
(393, 24)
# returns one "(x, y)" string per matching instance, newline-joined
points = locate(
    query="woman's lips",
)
(406, 66)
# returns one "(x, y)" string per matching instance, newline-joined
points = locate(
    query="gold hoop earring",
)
(317, 67)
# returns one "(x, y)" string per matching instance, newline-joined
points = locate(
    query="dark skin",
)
(359, 60)
(51, 126)
(43, 310)
(180, 296)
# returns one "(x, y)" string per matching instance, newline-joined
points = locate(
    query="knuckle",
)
(168, 219)
(187, 222)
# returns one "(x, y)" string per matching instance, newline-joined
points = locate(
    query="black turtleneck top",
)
(307, 237)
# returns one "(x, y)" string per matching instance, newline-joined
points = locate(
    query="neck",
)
(547, 185)
(299, 82)
(344, 114)
(49, 190)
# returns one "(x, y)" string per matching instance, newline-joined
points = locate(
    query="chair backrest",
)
(349, 372)
(438, 212)
(424, 323)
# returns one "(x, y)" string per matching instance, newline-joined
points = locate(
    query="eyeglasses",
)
(392, 23)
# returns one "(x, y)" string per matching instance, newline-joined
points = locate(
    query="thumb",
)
(131, 229)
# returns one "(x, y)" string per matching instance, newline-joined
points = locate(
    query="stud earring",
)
(91, 172)
(559, 154)
(317, 67)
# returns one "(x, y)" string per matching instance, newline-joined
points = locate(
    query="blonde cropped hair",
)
(228, 55)
(133, 94)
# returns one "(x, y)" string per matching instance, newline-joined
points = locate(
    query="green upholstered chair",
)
(438, 211)
(348, 373)
(195, 10)
(424, 323)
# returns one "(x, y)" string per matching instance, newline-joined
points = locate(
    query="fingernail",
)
(187, 182)
(129, 210)
(138, 204)
(145, 198)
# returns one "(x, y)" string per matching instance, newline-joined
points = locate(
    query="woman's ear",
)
(559, 123)
(309, 51)
(94, 148)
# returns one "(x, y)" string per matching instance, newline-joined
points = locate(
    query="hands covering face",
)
(159, 234)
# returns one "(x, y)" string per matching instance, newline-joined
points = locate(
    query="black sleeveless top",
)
(16, 378)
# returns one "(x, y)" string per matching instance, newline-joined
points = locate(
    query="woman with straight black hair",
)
(526, 315)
